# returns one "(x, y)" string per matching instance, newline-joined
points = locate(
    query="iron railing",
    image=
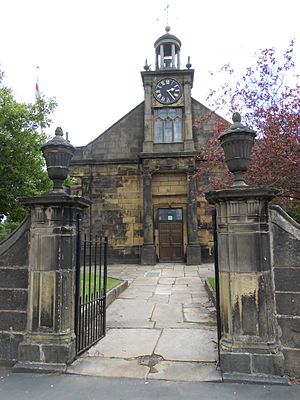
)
(91, 283)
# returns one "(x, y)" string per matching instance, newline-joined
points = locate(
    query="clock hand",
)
(171, 90)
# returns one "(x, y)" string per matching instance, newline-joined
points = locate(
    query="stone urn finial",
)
(237, 142)
(58, 153)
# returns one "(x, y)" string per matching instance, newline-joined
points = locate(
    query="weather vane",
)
(167, 13)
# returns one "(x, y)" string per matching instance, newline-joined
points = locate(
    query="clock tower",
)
(168, 109)
(170, 224)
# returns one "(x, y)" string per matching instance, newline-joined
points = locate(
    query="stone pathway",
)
(162, 327)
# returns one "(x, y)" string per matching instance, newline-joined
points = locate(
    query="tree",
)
(22, 171)
(268, 97)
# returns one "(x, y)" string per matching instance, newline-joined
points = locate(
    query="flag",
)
(37, 89)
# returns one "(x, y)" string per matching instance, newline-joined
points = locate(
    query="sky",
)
(90, 53)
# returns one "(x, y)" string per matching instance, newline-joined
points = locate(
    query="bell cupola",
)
(167, 51)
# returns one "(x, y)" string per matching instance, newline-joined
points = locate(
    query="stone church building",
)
(138, 173)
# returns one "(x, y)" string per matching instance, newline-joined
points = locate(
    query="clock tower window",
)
(168, 125)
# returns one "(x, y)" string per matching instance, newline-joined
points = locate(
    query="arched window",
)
(168, 125)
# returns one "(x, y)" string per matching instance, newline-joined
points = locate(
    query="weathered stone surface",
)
(127, 309)
(197, 315)
(286, 245)
(235, 362)
(185, 371)
(14, 250)
(288, 303)
(180, 298)
(291, 361)
(285, 239)
(9, 343)
(13, 299)
(167, 312)
(184, 345)
(60, 353)
(14, 278)
(13, 291)
(287, 279)
(131, 324)
(247, 306)
(30, 352)
(126, 343)
(268, 364)
(143, 292)
(13, 321)
(110, 367)
(159, 298)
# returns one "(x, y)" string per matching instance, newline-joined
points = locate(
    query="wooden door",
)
(170, 241)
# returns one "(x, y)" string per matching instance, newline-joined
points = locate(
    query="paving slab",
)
(167, 312)
(172, 274)
(138, 292)
(152, 274)
(159, 298)
(189, 280)
(185, 371)
(145, 281)
(166, 281)
(187, 345)
(126, 343)
(180, 298)
(163, 289)
(178, 325)
(129, 309)
(130, 324)
(113, 367)
(197, 315)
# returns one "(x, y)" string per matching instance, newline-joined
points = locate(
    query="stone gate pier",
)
(249, 343)
(249, 346)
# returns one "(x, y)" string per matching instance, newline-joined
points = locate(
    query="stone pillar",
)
(49, 343)
(188, 124)
(173, 56)
(148, 139)
(148, 255)
(193, 250)
(162, 56)
(249, 347)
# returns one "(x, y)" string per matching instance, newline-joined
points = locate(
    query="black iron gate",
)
(219, 327)
(91, 283)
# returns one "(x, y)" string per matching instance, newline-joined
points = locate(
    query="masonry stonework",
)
(286, 264)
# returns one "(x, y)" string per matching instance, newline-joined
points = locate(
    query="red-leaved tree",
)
(268, 98)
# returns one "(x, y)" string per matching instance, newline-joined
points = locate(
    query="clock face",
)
(167, 91)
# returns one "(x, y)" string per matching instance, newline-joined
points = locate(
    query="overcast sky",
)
(90, 52)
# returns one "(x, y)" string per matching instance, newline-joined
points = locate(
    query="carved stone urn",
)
(58, 153)
(237, 143)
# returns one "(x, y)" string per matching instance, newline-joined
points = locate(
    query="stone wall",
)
(122, 141)
(286, 262)
(13, 291)
(116, 194)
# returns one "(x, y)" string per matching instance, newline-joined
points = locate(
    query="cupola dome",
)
(167, 51)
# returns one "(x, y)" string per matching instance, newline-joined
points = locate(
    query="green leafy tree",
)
(22, 167)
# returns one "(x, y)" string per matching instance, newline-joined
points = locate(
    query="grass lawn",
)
(111, 283)
(212, 282)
